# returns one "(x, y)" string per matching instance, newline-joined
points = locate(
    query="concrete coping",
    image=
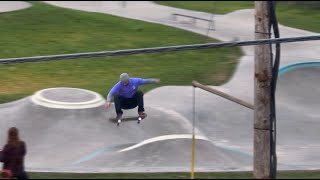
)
(67, 98)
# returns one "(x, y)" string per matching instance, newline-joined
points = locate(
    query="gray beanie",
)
(124, 77)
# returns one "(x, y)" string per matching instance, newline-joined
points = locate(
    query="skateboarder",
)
(127, 95)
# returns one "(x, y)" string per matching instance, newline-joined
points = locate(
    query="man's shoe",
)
(142, 114)
(119, 116)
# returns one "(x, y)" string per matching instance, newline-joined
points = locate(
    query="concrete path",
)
(83, 140)
(8, 6)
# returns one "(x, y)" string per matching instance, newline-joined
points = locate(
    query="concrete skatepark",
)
(68, 130)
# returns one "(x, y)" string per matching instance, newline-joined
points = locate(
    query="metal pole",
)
(193, 135)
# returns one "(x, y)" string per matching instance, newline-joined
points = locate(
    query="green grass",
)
(174, 175)
(48, 30)
(288, 14)
(299, 17)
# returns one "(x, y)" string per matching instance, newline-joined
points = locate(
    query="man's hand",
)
(107, 105)
(157, 80)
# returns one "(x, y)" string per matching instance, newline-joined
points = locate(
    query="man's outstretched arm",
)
(149, 81)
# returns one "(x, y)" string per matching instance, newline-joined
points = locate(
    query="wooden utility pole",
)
(262, 99)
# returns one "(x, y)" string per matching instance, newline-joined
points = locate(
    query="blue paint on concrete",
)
(290, 67)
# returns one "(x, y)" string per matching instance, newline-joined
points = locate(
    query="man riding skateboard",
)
(127, 95)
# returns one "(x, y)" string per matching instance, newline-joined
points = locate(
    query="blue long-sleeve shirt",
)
(128, 90)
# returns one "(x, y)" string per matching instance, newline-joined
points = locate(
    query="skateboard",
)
(130, 118)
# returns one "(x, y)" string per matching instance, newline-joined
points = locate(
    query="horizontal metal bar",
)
(224, 95)
(175, 14)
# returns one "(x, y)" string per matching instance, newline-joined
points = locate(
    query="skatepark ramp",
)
(85, 140)
(64, 136)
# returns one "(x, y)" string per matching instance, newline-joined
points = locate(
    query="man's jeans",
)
(121, 102)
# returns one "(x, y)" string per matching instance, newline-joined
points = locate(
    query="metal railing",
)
(192, 17)
(224, 95)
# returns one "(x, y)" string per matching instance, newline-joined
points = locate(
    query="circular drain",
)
(67, 98)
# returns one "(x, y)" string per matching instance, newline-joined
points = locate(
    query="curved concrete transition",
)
(83, 139)
(7, 6)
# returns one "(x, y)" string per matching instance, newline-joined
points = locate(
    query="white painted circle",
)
(63, 99)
